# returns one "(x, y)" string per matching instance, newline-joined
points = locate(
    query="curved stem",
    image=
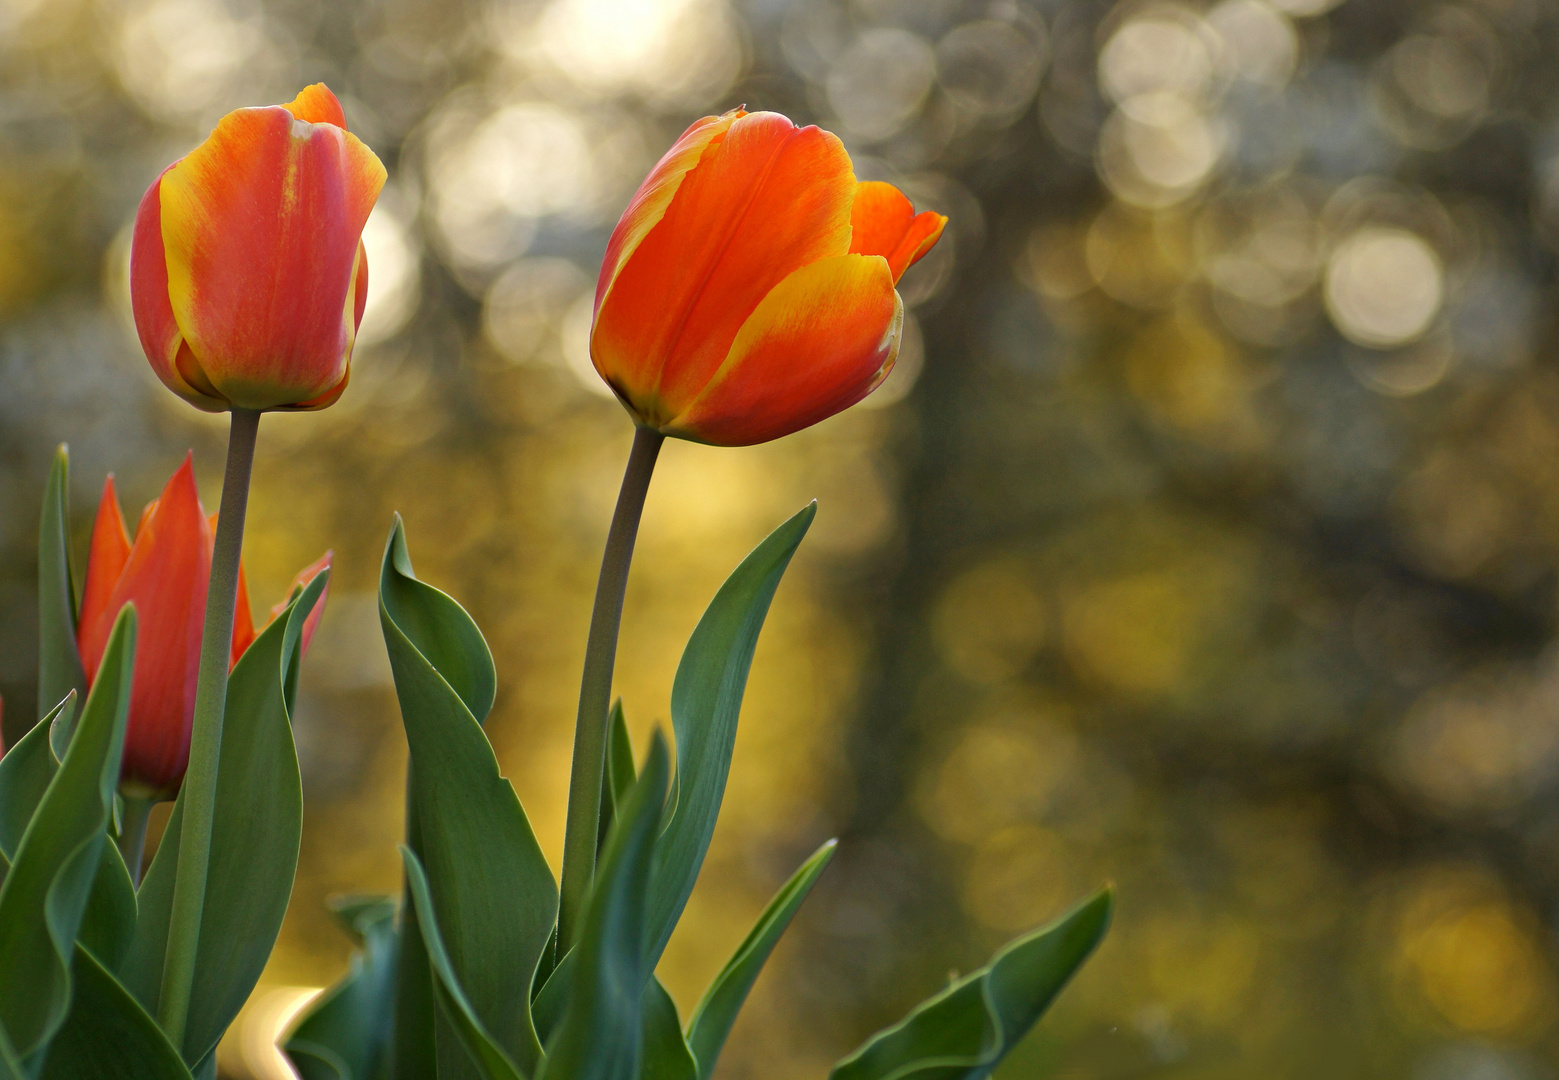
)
(132, 838)
(595, 689)
(205, 749)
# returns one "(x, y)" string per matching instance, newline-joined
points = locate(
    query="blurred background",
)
(1205, 539)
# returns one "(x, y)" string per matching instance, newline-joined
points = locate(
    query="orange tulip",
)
(748, 290)
(247, 271)
(164, 573)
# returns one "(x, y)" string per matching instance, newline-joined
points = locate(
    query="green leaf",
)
(349, 1026)
(59, 661)
(108, 924)
(254, 843)
(706, 697)
(10, 1064)
(666, 1053)
(108, 1036)
(25, 772)
(964, 1031)
(484, 1050)
(347, 1029)
(600, 1036)
(618, 776)
(486, 874)
(716, 1013)
(45, 893)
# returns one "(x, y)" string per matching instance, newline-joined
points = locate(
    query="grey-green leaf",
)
(712, 1020)
(25, 772)
(46, 890)
(254, 843)
(618, 775)
(108, 1036)
(489, 1058)
(59, 661)
(345, 1034)
(600, 1036)
(706, 697)
(666, 1054)
(486, 873)
(963, 1032)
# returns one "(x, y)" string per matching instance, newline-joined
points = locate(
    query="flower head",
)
(749, 289)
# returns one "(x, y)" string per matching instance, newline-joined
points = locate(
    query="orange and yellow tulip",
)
(247, 271)
(749, 289)
(164, 573)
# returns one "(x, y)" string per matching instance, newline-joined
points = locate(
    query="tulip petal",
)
(317, 105)
(165, 577)
(161, 339)
(261, 227)
(110, 551)
(820, 341)
(766, 200)
(655, 194)
(243, 617)
(883, 222)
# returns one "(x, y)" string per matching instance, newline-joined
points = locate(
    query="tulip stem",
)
(200, 781)
(595, 689)
(132, 835)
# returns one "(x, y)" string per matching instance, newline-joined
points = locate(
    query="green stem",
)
(132, 837)
(595, 689)
(205, 748)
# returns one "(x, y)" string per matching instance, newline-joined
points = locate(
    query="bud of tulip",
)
(247, 271)
(748, 291)
(164, 573)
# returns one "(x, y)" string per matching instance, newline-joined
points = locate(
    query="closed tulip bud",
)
(247, 271)
(164, 573)
(749, 289)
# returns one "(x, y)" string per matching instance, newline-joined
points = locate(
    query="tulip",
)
(749, 289)
(164, 572)
(247, 271)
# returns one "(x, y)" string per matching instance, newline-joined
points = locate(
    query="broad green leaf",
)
(549, 1002)
(25, 772)
(254, 843)
(618, 776)
(963, 1032)
(666, 1053)
(45, 893)
(716, 1013)
(108, 924)
(107, 1035)
(10, 1064)
(600, 1036)
(414, 1051)
(59, 661)
(347, 1029)
(484, 1050)
(486, 874)
(706, 697)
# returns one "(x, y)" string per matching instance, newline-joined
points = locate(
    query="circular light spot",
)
(394, 271)
(1167, 51)
(525, 307)
(1157, 150)
(1261, 44)
(669, 50)
(990, 622)
(879, 83)
(989, 68)
(1384, 287)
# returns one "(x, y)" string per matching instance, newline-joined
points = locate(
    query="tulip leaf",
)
(600, 1035)
(666, 1052)
(706, 697)
(547, 1006)
(46, 890)
(254, 843)
(10, 1064)
(345, 1032)
(414, 1052)
(618, 776)
(486, 873)
(108, 924)
(490, 1060)
(716, 1013)
(25, 772)
(107, 1035)
(963, 1032)
(59, 660)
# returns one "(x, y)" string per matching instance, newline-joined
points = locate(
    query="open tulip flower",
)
(164, 573)
(749, 289)
(247, 271)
